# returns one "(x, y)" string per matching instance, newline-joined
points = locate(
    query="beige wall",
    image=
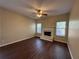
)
(0, 29)
(15, 27)
(74, 31)
(48, 21)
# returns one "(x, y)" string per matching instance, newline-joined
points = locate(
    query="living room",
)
(36, 29)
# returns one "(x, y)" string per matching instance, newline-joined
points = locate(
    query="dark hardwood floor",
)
(35, 49)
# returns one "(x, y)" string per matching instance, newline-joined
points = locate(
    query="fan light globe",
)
(39, 15)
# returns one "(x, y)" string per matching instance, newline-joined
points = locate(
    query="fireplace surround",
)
(47, 34)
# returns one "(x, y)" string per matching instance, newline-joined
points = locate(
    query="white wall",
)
(74, 31)
(15, 27)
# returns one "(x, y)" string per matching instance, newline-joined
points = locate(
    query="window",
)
(39, 27)
(60, 28)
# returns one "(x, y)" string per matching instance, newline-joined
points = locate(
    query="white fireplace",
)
(47, 34)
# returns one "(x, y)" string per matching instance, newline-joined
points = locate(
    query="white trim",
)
(14, 42)
(70, 52)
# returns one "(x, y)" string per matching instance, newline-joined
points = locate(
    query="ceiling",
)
(28, 7)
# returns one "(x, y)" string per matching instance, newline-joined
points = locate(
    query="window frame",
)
(36, 28)
(61, 28)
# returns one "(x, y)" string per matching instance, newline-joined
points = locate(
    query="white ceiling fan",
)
(39, 13)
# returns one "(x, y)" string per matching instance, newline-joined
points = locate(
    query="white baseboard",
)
(70, 52)
(14, 42)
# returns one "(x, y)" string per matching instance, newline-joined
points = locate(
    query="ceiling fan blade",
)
(45, 14)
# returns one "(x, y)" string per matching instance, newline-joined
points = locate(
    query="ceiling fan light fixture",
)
(39, 15)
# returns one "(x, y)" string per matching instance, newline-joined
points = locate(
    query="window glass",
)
(60, 28)
(39, 27)
(61, 25)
